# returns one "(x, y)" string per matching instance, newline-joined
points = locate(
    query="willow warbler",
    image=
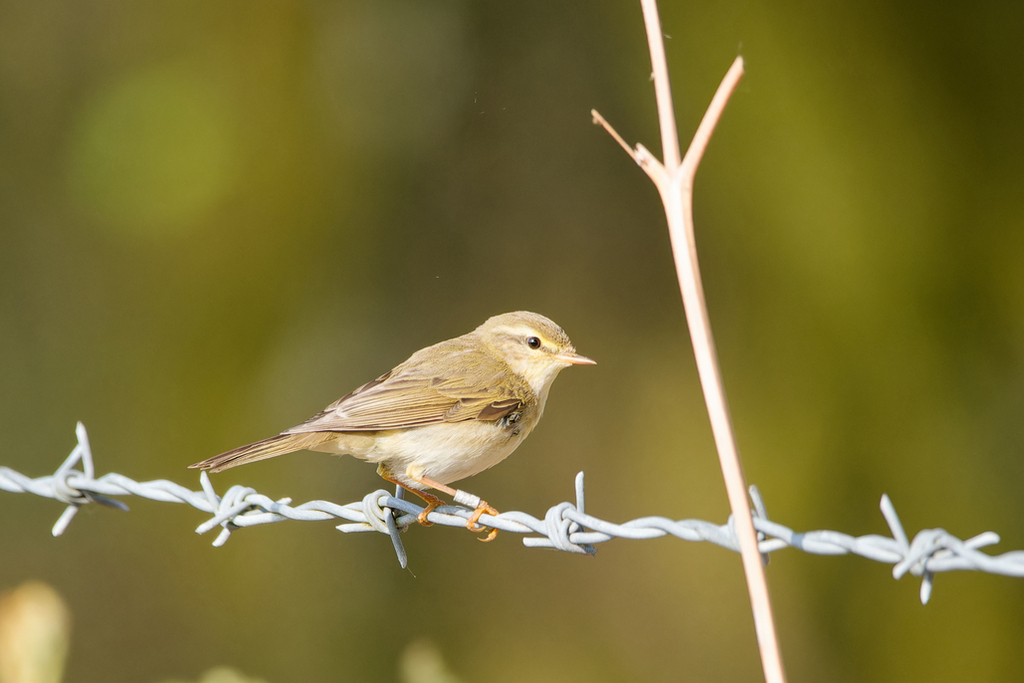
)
(450, 411)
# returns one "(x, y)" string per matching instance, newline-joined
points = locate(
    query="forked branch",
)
(674, 179)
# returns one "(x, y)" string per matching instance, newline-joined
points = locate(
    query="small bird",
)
(450, 411)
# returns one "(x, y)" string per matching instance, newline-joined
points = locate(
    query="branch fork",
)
(674, 178)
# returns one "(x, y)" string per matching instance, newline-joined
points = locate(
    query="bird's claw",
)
(422, 517)
(472, 525)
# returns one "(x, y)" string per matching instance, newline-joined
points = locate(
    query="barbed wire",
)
(565, 527)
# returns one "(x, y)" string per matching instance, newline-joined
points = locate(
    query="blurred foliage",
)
(421, 662)
(220, 674)
(34, 630)
(219, 217)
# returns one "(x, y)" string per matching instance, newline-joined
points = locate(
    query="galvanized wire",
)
(566, 526)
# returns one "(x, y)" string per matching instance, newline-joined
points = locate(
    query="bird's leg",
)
(431, 500)
(482, 506)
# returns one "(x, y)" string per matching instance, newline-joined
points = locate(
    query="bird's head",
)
(534, 347)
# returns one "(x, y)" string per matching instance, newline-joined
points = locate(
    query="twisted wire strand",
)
(565, 526)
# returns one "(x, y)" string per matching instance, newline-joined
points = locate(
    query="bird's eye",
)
(533, 342)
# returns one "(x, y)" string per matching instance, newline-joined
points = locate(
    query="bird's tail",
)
(261, 450)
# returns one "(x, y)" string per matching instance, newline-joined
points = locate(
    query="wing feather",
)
(430, 388)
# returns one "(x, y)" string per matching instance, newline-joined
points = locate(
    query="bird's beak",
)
(574, 359)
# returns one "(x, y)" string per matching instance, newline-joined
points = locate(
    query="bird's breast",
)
(444, 452)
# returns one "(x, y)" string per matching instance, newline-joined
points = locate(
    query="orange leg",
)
(481, 508)
(431, 500)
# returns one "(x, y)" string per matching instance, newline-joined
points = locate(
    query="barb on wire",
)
(566, 526)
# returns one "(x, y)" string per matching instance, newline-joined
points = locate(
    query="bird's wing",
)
(419, 393)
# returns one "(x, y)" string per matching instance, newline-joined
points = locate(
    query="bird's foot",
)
(422, 517)
(471, 523)
(430, 499)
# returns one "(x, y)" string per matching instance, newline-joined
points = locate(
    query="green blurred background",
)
(217, 217)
